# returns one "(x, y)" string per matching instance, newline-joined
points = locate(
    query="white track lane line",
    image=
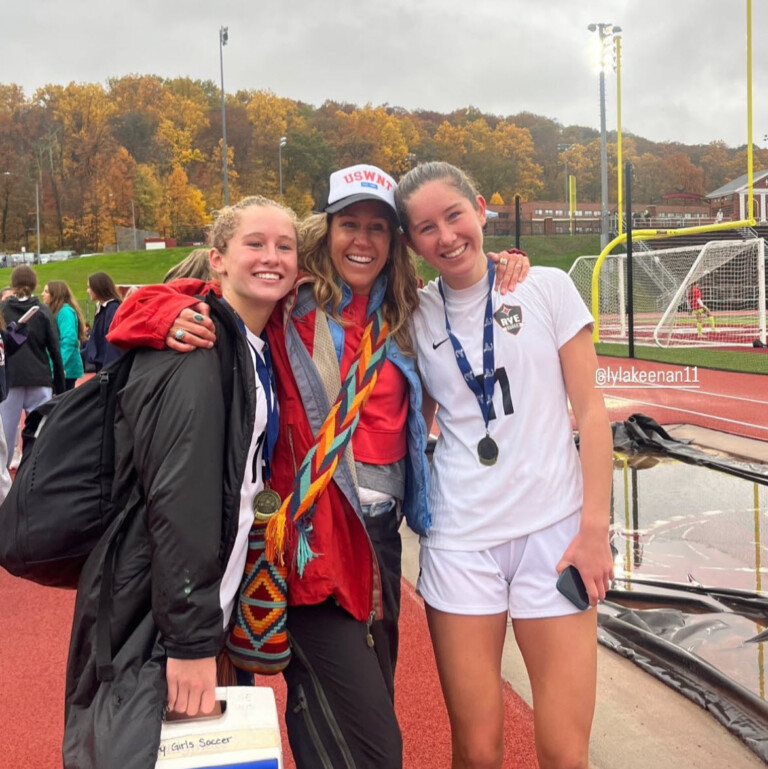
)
(695, 413)
(732, 397)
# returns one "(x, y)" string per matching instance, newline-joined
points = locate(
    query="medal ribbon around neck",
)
(267, 378)
(485, 395)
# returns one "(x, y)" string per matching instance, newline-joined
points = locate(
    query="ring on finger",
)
(503, 260)
(179, 334)
(197, 317)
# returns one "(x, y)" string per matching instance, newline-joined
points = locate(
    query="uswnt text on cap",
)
(368, 176)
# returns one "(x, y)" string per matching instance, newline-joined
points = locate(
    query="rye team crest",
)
(510, 318)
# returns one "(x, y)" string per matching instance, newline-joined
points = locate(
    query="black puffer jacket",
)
(181, 460)
(30, 367)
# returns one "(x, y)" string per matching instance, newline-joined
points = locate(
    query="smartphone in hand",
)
(28, 314)
(571, 585)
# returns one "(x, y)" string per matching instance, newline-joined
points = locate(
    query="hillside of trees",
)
(150, 147)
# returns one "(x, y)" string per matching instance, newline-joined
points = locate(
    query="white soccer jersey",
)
(253, 483)
(537, 478)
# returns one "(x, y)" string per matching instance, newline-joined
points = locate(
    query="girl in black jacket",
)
(188, 466)
(29, 373)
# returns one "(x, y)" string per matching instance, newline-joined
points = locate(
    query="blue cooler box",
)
(245, 736)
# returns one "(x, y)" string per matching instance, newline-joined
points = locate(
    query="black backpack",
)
(60, 502)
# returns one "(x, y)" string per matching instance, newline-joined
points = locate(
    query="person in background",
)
(195, 265)
(11, 338)
(5, 292)
(700, 310)
(98, 351)
(30, 382)
(69, 320)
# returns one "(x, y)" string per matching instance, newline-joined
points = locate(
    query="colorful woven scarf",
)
(258, 641)
(293, 522)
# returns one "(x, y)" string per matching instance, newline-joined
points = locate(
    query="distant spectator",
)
(195, 265)
(69, 320)
(699, 309)
(102, 289)
(30, 383)
(11, 338)
(719, 217)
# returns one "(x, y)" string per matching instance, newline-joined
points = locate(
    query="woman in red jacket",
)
(344, 601)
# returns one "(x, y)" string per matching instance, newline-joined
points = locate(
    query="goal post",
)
(731, 275)
(721, 301)
(612, 315)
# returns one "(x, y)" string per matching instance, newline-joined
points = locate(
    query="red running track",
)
(720, 400)
(33, 647)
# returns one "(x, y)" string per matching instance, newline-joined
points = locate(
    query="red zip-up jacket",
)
(344, 567)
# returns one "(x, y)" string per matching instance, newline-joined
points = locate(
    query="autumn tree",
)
(91, 149)
(370, 135)
(182, 211)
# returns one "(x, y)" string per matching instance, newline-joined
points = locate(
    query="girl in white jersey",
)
(513, 502)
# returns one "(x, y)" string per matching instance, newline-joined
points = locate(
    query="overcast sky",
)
(683, 62)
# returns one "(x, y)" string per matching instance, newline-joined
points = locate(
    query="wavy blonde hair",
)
(402, 295)
(194, 265)
(227, 219)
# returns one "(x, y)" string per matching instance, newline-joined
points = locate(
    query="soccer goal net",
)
(729, 278)
(721, 302)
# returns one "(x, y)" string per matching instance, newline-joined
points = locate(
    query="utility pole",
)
(223, 38)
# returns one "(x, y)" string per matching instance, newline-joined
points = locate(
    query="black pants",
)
(385, 537)
(340, 711)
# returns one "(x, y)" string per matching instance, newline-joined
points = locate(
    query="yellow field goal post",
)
(650, 234)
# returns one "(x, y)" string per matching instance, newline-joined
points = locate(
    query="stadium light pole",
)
(37, 221)
(280, 163)
(133, 221)
(605, 32)
(564, 148)
(619, 160)
(223, 38)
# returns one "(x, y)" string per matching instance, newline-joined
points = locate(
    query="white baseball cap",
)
(361, 182)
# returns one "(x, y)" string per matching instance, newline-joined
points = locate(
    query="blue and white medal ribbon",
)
(487, 450)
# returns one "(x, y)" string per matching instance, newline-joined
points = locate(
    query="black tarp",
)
(656, 624)
(641, 433)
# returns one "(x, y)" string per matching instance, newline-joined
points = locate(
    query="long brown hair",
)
(23, 281)
(402, 295)
(103, 287)
(432, 172)
(59, 294)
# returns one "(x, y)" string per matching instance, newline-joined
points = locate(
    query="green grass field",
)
(748, 360)
(137, 267)
(128, 268)
(132, 267)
